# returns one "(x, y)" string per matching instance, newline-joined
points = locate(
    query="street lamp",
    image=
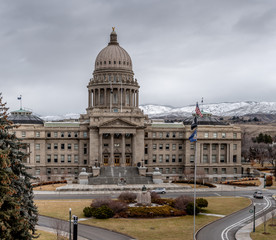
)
(69, 223)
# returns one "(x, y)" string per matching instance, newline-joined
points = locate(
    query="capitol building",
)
(115, 133)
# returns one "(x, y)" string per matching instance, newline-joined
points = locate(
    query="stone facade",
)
(115, 132)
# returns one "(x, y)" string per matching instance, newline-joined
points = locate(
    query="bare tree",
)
(61, 229)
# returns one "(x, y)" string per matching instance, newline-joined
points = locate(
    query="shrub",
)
(149, 212)
(164, 201)
(103, 212)
(201, 203)
(269, 181)
(154, 196)
(100, 202)
(190, 209)
(88, 211)
(182, 201)
(117, 206)
(127, 197)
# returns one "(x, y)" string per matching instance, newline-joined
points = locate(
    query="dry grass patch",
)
(46, 235)
(259, 235)
(50, 187)
(191, 185)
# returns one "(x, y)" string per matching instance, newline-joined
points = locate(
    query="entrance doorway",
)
(117, 160)
(105, 160)
(127, 160)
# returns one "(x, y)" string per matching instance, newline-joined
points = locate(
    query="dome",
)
(23, 116)
(113, 56)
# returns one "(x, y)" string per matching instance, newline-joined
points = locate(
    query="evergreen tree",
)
(18, 214)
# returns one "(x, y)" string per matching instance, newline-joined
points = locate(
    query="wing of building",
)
(115, 133)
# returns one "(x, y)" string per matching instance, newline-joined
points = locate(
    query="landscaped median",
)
(173, 228)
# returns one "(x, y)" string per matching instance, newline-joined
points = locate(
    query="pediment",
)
(118, 123)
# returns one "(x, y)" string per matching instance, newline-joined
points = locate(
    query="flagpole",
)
(195, 185)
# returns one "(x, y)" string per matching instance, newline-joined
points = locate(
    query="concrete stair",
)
(119, 175)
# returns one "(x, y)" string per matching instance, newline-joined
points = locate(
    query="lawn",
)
(46, 235)
(259, 234)
(50, 187)
(146, 229)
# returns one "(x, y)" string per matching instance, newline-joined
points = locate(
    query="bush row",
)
(48, 183)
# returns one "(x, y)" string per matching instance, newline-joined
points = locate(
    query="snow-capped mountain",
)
(218, 109)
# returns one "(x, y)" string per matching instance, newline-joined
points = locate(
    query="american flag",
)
(197, 110)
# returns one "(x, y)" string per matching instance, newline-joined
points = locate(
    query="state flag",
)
(193, 137)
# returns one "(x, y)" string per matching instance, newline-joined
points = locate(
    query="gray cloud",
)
(181, 50)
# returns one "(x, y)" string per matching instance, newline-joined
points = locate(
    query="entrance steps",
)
(119, 175)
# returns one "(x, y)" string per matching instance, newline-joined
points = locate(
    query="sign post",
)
(70, 224)
(75, 228)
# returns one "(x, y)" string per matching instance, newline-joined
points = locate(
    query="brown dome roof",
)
(113, 56)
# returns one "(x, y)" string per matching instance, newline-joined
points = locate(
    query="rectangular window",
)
(223, 135)
(161, 170)
(76, 171)
(76, 146)
(69, 134)
(160, 146)
(222, 146)
(179, 158)
(235, 170)
(48, 134)
(160, 158)
(154, 135)
(106, 145)
(55, 146)
(160, 134)
(167, 135)
(173, 146)
(181, 134)
(215, 179)
(192, 159)
(234, 158)
(235, 146)
(48, 170)
(55, 158)
(37, 158)
(55, 134)
(222, 158)
(180, 146)
(154, 146)
(69, 158)
(62, 134)
(173, 134)
(85, 148)
(69, 170)
(167, 146)
(205, 146)
(167, 170)
(214, 158)
(23, 134)
(154, 158)
(69, 146)
(234, 135)
(173, 158)
(173, 170)
(206, 135)
(215, 135)
(62, 170)
(146, 134)
(62, 146)
(85, 134)
(206, 170)
(84, 161)
(180, 171)
(48, 158)
(75, 134)
(223, 170)
(192, 146)
(37, 172)
(37, 146)
(37, 134)
(167, 158)
(215, 170)
(55, 170)
(146, 149)
(205, 158)
(214, 147)
(62, 157)
(48, 145)
(76, 158)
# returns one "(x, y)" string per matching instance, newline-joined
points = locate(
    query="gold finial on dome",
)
(113, 37)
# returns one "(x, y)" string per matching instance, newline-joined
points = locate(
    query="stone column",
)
(123, 150)
(131, 98)
(112, 150)
(99, 96)
(201, 153)
(137, 97)
(89, 98)
(105, 100)
(210, 154)
(93, 91)
(133, 142)
(219, 146)
(101, 150)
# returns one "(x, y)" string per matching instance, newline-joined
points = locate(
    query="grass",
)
(145, 229)
(46, 235)
(259, 234)
(50, 187)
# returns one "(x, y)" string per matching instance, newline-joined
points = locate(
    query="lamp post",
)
(254, 212)
(69, 223)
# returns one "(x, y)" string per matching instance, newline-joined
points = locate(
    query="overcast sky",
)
(182, 50)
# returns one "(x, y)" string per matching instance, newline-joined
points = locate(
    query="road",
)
(88, 232)
(226, 228)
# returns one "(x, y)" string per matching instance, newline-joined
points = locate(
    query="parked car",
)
(159, 190)
(258, 194)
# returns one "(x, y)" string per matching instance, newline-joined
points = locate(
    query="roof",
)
(167, 125)
(62, 124)
(23, 116)
(205, 120)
